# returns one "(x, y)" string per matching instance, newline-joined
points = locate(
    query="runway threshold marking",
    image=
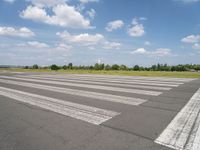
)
(82, 93)
(124, 79)
(140, 82)
(101, 83)
(85, 113)
(170, 79)
(99, 87)
(183, 133)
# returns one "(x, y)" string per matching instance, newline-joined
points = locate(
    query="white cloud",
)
(21, 32)
(91, 13)
(111, 45)
(139, 51)
(147, 43)
(63, 47)
(187, 1)
(39, 47)
(10, 1)
(37, 44)
(191, 39)
(114, 25)
(137, 29)
(63, 15)
(48, 3)
(196, 46)
(161, 52)
(84, 38)
(87, 1)
(89, 40)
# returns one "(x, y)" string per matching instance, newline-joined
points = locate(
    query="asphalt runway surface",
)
(50, 111)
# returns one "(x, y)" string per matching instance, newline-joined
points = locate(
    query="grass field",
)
(125, 73)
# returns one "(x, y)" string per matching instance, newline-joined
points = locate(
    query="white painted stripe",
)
(178, 133)
(115, 81)
(94, 95)
(118, 79)
(86, 113)
(194, 141)
(100, 83)
(137, 77)
(99, 87)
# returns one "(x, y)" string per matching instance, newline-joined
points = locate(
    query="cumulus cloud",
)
(43, 47)
(196, 46)
(91, 13)
(158, 52)
(84, 38)
(187, 1)
(37, 44)
(48, 3)
(136, 29)
(10, 1)
(88, 40)
(21, 32)
(62, 47)
(63, 15)
(114, 25)
(139, 51)
(191, 39)
(111, 45)
(87, 1)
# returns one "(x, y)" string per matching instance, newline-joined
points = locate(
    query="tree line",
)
(97, 66)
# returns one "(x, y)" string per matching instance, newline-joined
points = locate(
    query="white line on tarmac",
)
(82, 112)
(183, 132)
(194, 140)
(88, 94)
(101, 83)
(113, 81)
(99, 87)
(137, 77)
(119, 79)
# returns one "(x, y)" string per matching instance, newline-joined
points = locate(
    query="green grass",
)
(124, 73)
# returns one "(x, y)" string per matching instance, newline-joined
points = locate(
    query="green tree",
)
(136, 68)
(123, 67)
(54, 67)
(107, 67)
(35, 66)
(26, 67)
(70, 66)
(115, 67)
(65, 67)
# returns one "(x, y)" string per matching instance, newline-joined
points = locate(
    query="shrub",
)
(54, 67)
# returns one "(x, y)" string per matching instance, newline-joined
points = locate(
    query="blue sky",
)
(84, 32)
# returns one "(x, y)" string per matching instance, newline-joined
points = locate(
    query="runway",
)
(85, 112)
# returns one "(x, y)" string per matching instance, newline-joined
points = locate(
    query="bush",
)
(35, 66)
(136, 68)
(65, 67)
(26, 67)
(115, 67)
(54, 67)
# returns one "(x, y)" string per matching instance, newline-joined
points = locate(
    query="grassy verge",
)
(125, 73)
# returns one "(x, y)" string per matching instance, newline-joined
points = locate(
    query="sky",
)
(85, 32)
